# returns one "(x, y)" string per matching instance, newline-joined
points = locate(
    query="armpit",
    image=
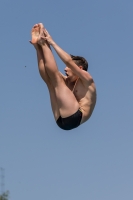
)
(64, 77)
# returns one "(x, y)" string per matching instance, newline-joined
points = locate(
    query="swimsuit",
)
(72, 121)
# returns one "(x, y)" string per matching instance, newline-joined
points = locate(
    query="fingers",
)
(45, 31)
(45, 38)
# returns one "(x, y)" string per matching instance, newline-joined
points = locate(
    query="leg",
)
(41, 64)
(67, 103)
(59, 92)
(45, 77)
(42, 70)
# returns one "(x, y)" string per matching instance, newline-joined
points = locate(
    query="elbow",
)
(89, 78)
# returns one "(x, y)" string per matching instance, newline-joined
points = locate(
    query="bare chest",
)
(79, 90)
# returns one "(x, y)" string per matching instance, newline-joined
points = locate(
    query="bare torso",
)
(85, 95)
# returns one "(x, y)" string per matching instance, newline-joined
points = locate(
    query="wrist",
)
(53, 44)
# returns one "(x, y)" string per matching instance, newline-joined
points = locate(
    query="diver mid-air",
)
(73, 95)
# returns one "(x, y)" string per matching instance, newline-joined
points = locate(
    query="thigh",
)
(51, 89)
(63, 101)
(67, 102)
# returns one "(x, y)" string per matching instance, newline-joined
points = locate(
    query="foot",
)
(35, 32)
(41, 41)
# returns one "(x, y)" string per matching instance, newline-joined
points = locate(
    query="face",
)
(69, 73)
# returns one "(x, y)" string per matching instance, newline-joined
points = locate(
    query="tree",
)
(4, 196)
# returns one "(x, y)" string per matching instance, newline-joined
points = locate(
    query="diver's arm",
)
(66, 58)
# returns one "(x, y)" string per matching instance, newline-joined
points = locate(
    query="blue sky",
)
(41, 161)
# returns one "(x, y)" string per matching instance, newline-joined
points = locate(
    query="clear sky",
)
(41, 161)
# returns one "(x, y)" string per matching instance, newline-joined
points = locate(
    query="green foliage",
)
(4, 196)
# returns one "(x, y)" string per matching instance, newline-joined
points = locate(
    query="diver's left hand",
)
(47, 37)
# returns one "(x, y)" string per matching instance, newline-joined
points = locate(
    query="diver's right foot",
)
(35, 34)
(41, 41)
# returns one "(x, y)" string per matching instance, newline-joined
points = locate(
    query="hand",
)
(47, 37)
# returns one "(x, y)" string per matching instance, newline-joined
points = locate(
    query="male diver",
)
(73, 95)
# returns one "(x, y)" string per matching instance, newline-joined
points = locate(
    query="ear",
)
(81, 67)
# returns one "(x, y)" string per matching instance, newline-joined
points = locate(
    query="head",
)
(80, 61)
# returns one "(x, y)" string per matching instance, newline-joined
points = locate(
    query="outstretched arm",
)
(66, 58)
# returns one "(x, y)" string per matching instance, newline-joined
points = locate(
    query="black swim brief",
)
(71, 122)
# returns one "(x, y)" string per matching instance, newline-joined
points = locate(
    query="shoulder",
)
(86, 78)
